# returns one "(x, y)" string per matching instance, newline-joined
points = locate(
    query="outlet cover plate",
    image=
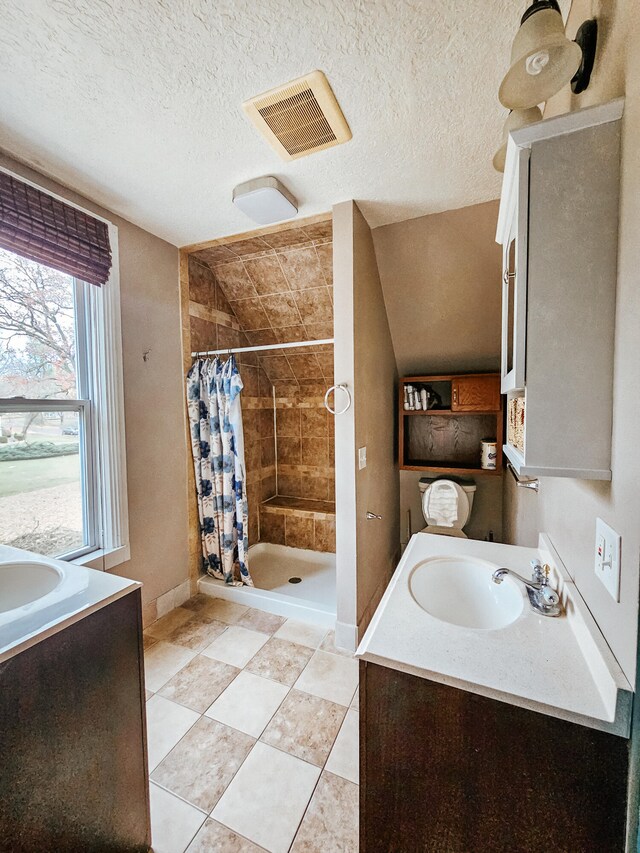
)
(362, 458)
(607, 558)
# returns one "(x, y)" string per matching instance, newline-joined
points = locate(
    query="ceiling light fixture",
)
(265, 200)
(543, 59)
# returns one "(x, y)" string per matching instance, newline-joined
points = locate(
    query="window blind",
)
(44, 229)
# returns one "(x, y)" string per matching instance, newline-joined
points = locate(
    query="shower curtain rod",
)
(263, 347)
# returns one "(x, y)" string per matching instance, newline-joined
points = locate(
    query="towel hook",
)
(334, 388)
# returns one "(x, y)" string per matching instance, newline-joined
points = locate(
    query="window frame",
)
(100, 388)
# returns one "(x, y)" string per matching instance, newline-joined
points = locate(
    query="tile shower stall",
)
(271, 289)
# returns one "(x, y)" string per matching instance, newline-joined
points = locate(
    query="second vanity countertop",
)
(560, 666)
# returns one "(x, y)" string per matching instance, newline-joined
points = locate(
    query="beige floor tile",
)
(259, 620)
(225, 611)
(163, 627)
(306, 726)
(197, 633)
(205, 761)
(343, 760)
(280, 660)
(355, 702)
(248, 703)
(331, 821)
(166, 724)
(267, 798)
(216, 838)
(302, 633)
(197, 603)
(236, 646)
(147, 695)
(331, 677)
(173, 823)
(199, 683)
(162, 661)
(329, 645)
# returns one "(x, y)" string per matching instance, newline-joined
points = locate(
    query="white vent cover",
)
(300, 117)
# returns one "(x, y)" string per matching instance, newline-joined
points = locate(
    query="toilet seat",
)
(445, 507)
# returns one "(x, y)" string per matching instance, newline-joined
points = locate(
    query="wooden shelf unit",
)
(447, 440)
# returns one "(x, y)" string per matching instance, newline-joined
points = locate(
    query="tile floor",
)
(252, 724)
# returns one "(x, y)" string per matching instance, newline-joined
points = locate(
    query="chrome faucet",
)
(542, 597)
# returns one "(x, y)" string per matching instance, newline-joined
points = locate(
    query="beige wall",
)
(567, 509)
(441, 281)
(153, 390)
(365, 360)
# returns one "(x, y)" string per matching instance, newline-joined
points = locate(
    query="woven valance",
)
(45, 229)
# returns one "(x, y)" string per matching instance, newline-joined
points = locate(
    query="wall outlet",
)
(362, 458)
(607, 558)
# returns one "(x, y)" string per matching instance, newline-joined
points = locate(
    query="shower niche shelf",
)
(446, 439)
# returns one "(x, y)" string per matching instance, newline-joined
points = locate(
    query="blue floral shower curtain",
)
(217, 443)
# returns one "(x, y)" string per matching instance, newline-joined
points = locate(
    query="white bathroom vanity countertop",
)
(560, 666)
(81, 591)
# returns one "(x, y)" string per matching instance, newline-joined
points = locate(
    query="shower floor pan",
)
(312, 599)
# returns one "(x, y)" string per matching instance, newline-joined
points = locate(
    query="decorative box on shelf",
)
(445, 438)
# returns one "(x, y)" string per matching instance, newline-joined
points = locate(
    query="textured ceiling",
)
(136, 103)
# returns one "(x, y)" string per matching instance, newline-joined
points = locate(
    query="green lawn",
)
(28, 475)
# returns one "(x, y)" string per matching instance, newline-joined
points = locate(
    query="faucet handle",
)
(537, 572)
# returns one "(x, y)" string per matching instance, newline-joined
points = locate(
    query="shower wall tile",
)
(266, 275)
(234, 281)
(314, 305)
(325, 535)
(320, 230)
(204, 335)
(290, 485)
(288, 422)
(268, 454)
(272, 528)
(315, 451)
(251, 314)
(281, 310)
(314, 423)
(202, 286)
(325, 256)
(266, 421)
(299, 532)
(289, 449)
(302, 268)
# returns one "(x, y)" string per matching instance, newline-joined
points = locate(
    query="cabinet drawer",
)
(475, 394)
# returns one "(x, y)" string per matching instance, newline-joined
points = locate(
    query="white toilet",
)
(446, 505)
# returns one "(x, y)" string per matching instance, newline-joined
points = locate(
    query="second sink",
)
(459, 590)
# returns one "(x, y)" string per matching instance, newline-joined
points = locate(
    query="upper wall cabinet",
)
(558, 227)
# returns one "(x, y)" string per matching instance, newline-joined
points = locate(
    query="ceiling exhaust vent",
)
(300, 117)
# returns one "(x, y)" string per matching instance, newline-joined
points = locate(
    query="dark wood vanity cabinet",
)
(73, 762)
(447, 771)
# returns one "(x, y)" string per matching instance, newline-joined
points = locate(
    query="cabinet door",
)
(475, 394)
(514, 278)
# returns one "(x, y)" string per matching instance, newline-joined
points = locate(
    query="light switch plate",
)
(607, 558)
(362, 458)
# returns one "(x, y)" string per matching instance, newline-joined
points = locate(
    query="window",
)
(62, 477)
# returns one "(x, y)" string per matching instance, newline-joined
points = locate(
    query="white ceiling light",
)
(265, 200)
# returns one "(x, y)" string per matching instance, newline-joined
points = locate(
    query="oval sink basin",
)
(25, 582)
(459, 590)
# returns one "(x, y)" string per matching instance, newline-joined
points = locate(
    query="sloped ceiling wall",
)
(279, 286)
